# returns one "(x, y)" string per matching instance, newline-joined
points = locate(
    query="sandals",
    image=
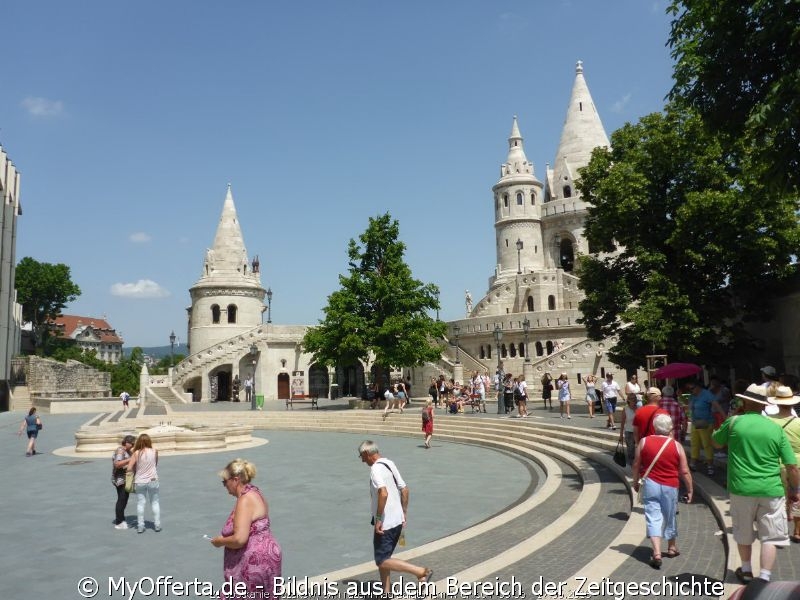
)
(672, 553)
(427, 577)
(655, 562)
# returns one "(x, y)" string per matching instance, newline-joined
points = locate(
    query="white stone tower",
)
(228, 298)
(517, 197)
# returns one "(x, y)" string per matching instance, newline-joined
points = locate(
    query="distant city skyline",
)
(126, 146)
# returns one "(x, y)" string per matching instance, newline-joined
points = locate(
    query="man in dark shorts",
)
(389, 496)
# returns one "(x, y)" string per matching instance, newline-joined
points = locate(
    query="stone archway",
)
(318, 381)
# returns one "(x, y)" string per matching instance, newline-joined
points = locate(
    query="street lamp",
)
(253, 353)
(457, 330)
(172, 349)
(519, 250)
(526, 326)
(498, 335)
(269, 305)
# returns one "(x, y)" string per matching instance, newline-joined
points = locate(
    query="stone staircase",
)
(20, 398)
(164, 395)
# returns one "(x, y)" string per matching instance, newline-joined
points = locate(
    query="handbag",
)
(619, 455)
(38, 426)
(640, 493)
(129, 485)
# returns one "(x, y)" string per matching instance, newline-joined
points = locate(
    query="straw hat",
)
(755, 393)
(784, 396)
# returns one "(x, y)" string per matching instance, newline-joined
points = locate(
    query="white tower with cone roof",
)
(228, 299)
(517, 197)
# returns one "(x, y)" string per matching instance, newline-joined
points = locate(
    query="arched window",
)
(566, 255)
(505, 200)
(539, 349)
(567, 191)
(520, 199)
(512, 349)
(215, 313)
(503, 351)
(231, 313)
(522, 350)
(551, 303)
(533, 198)
(530, 303)
(549, 347)
(489, 351)
(483, 352)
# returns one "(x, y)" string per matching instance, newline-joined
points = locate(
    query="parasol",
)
(677, 371)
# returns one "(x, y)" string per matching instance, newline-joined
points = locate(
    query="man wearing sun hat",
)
(784, 399)
(756, 448)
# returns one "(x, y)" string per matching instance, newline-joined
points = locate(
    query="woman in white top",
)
(144, 462)
(633, 387)
(564, 395)
(591, 395)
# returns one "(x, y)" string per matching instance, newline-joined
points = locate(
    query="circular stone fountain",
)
(166, 437)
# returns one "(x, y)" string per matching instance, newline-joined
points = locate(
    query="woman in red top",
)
(427, 422)
(660, 474)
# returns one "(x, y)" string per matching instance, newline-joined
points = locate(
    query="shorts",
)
(384, 545)
(611, 405)
(769, 515)
(33, 433)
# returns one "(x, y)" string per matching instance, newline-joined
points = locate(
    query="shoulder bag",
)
(129, 485)
(640, 493)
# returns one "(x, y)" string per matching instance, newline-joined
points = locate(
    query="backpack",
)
(426, 416)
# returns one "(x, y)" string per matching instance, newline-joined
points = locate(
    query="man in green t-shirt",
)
(756, 449)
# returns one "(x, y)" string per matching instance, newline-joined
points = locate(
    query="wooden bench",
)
(302, 399)
(475, 402)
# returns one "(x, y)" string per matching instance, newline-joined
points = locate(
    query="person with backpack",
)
(427, 422)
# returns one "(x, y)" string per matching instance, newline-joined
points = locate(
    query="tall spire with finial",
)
(582, 133)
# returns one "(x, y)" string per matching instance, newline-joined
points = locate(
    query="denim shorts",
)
(384, 545)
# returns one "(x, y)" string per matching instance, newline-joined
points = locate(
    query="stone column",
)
(144, 381)
(458, 373)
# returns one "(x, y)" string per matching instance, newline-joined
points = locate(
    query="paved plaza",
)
(57, 511)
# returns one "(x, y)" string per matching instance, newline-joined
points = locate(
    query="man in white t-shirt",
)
(389, 503)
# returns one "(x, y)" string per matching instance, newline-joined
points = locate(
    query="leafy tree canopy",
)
(692, 244)
(43, 289)
(379, 308)
(736, 64)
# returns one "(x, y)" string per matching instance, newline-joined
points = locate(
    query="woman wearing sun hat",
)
(784, 400)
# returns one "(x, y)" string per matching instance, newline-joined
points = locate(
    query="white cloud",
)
(144, 288)
(620, 104)
(42, 107)
(139, 237)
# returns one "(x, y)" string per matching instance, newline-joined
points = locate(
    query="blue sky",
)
(128, 120)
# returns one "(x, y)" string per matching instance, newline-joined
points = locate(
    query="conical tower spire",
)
(517, 162)
(582, 133)
(227, 257)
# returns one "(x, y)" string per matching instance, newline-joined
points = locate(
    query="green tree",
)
(43, 289)
(692, 246)
(380, 308)
(736, 64)
(125, 373)
(163, 365)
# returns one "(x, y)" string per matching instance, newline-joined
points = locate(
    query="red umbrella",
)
(677, 371)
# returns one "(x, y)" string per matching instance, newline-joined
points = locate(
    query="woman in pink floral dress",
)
(252, 555)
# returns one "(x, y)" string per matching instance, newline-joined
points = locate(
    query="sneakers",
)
(744, 577)
(140, 530)
(158, 528)
(122, 525)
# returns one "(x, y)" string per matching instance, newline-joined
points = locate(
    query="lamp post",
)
(253, 353)
(519, 251)
(172, 349)
(498, 335)
(269, 305)
(457, 330)
(526, 326)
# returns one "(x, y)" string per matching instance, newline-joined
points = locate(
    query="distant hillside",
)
(160, 351)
